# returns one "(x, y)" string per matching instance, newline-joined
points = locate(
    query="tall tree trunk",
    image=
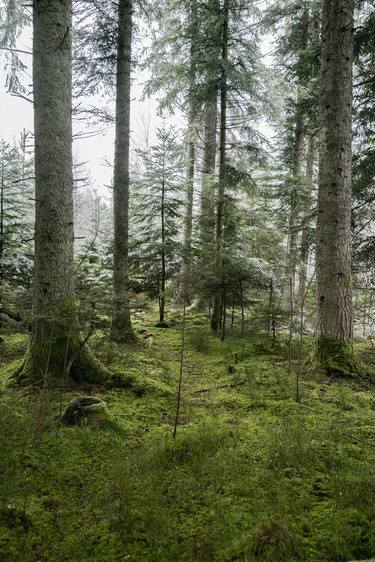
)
(305, 236)
(121, 323)
(2, 223)
(190, 158)
(208, 180)
(333, 235)
(207, 224)
(218, 297)
(294, 212)
(56, 347)
(163, 252)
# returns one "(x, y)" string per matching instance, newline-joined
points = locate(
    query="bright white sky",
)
(16, 114)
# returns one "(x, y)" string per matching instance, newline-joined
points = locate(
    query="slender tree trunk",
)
(294, 212)
(270, 307)
(121, 322)
(305, 236)
(218, 297)
(188, 227)
(333, 234)
(242, 311)
(163, 256)
(207, 225)
(208, 180)
(190, 159)
(224, 317)
(2, 222)
(56, 347)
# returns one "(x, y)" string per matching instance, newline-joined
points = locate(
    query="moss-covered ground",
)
(252, 474)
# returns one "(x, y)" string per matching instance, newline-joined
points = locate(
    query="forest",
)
(187, 281)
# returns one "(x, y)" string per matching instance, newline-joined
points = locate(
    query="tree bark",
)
(208, 180)
(207, 224)
(121, 329)
(218, 297)
(294, 212)
(333, 234)
(163, 250)
(305, 239)
(56, 341)
(2, 222)
(190, 159)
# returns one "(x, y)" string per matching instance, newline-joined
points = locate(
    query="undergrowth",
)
(251, 476)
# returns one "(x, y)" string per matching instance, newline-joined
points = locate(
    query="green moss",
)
(52, 362)
(7, 377)
(251, 475)
(338, 358)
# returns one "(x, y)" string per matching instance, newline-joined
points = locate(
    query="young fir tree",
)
(56, 348)
(16, 215)
(177, 49)
(159, 213)
(333, 236)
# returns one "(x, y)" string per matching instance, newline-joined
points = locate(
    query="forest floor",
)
(252, 474)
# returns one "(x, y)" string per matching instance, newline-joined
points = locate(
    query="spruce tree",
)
(158, 215)
(56, 348)
(333, 235)
(121, 329)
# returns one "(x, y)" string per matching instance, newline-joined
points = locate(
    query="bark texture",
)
(207, 224)
(2, 222)
(212, 85)
(163, 257)
(219, 295)
(190, 159)
(298, 158)
(188, 227)
(121, 322)
(56, 346)
(333, 234)
(306, 219)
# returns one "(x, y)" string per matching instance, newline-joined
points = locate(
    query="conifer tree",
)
(56, 348)
(158, 215)
(121, 329)
(333, 236)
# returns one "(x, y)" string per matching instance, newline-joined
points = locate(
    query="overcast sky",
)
(17, 114)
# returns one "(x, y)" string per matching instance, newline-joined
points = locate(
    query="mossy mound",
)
(339, 359)
(251, 476)
(84, 410)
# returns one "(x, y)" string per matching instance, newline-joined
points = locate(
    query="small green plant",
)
(273, 541)
(199, 339)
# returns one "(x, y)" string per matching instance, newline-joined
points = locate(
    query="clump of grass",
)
(199, 339)
(273, 541)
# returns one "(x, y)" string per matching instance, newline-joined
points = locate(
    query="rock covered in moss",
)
(85, 410)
